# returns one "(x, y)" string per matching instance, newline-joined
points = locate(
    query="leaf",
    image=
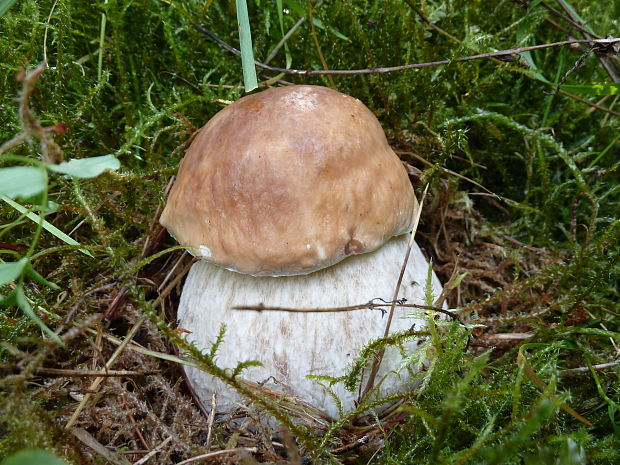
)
(22, 181)
(46, 225)
(576, 16)
(5, 5)
(245, 40)
(534, 70)
(25, 307)
(10, 271)
(8, 300)
(287, 52)
(612, 88)
(87, 167)
(33, 457)
(540, 384)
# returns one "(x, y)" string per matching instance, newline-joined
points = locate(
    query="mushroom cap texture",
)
(289, 181)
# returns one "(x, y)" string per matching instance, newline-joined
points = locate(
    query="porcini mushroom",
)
(275, 191)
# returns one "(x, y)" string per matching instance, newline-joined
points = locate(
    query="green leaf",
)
(5, 5)
(287, 52)
(612, 88)
(33, 457)
(87, 167)
(10, 271)
(534, 70)
(8, 300)
(245, 39)
(576, 16)
(46, 225)
(25, 307)
(22, 181)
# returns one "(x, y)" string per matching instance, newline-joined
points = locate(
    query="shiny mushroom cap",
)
(289, 181)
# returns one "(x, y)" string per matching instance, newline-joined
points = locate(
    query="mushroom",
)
(293, 198)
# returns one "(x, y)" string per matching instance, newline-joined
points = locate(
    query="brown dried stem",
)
(50, 151)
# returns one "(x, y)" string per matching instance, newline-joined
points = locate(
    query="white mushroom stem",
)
(290, 345)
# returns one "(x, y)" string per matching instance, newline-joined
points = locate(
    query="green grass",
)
(138, 87)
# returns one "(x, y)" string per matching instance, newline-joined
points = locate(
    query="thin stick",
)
(153, 452)
(47, 26)
(602, 366)
(507, 336)
(110, 456)
(95, 384)
(91, 373)
(210, 420)
(219, 452)
(379, 356)
(602, 43)
(371, 305)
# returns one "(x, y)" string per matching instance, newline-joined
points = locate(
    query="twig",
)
(90, 373)
(219, 452)
(507, 336)
(47, 26)
(602, 366)
(609, 66)
(426, 21)
(153, 452)
(502, 54)
(370, 305)
(95, 445)
(287, 36)
(578, 64)
(50, 151)
(135, 425)
(210, 420)
(460, 176)
(14, 142)
(352, 446)
(602, 43)
(557, 13)
(529, 248)
(95, 384)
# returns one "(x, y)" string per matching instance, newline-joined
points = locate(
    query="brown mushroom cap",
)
(288, 181)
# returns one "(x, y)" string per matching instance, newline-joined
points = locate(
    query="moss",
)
(549, 207)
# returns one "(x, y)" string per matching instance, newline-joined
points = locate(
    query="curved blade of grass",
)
(245, 41)
(540, 384)
(610, 88)
(605, 150)
(46, 225)
(25, 307)
(287, 52)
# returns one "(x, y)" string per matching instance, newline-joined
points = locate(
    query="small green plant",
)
(31, 183)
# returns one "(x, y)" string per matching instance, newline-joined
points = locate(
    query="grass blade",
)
(5, 5)
(23, 304)
(46, 225)
(245, 40)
